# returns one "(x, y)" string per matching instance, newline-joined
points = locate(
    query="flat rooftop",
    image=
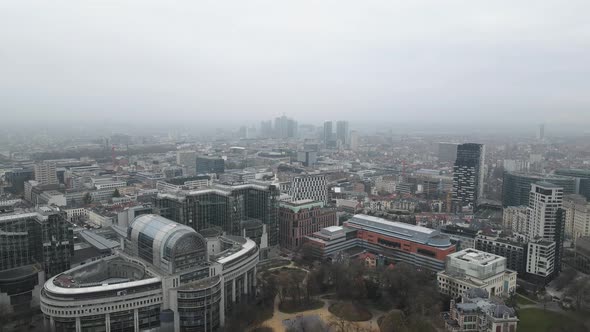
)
(401, 230)
(476, 257)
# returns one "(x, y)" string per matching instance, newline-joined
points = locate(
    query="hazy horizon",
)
(225, 64)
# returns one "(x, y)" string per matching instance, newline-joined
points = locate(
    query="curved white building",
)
(168, 278)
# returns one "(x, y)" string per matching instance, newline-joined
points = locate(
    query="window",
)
(426, 252)
(389, 244)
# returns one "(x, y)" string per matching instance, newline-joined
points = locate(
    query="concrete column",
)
(51, 324)
(107, 322)
(136, 319)
(233, 290)
(246, 283)
(222, 304)
(78, 325)
(254, 279)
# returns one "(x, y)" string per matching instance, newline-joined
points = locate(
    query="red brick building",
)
(396, 241)
(301, 218)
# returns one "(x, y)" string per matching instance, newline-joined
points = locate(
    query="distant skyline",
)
(223, 64)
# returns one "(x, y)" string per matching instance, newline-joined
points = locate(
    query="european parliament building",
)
(168, 277)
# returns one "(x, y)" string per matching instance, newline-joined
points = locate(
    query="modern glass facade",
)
(206, 164)
(28, 238)
(180, 289)
(225, 208)
(517, 186)
(582, 178)
(166, 244)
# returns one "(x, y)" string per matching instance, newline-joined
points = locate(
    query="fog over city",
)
(231, 63)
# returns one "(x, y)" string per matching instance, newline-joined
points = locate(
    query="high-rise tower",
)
(545, 230)
(468, 174)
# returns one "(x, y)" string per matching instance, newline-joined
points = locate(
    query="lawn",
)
(350, 311)
(521, 300)
(538, 320)
(291, 307)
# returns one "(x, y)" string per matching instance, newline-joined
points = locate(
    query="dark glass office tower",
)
(209, 164)
(327, 135)
(34, 246)
(468, 175)
(517, 186)
(223, 207)
(582, 178)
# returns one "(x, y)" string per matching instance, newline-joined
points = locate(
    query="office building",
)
(307, 186)
(328, 136)
(515, 252)
(188, 161)
(46, 173)
(342, 132)
(470, 268)
(447, 152)
(582, 179)
(168, 278)
(223, 207)
(285, 127)
(514, 219)
(478, 312)
(210, 164)
(308, 158)
(511, 165)
(582, 255)
(354, 140)
(34, 245)
(397, 242)
(468, 173)
(266, 129)
(516, 186)
(541, 132)
(581, 220)
(461, 237)
(577, 216)
(301, 218)
(16, 179)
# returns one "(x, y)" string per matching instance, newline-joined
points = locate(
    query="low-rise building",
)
(397, 242)
(470, 268)
(477, 312)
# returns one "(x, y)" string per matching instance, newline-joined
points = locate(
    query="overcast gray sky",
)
(243, 61)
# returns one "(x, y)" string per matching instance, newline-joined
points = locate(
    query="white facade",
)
(515, 218)
(545, 200)
(53, 197)
(472, 268)
(46, 173)
(29, 185)
(581, 220)
(312, 186)
(541, 258)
